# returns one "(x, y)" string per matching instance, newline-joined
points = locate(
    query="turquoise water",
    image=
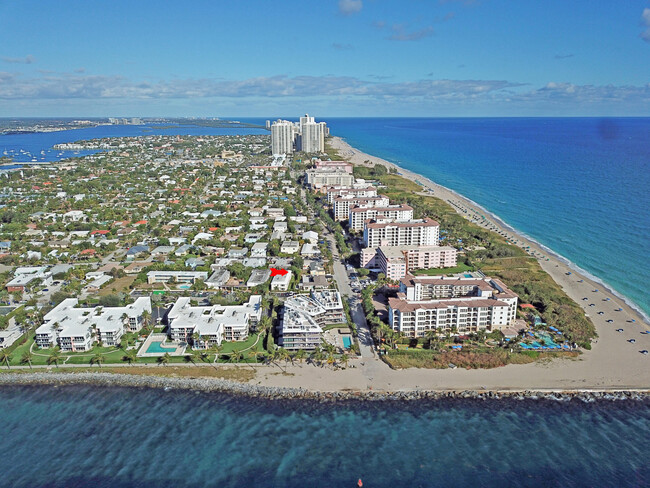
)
(347, 343)
(184, 287)
(83, 436)
(576, 185)
(156, 347)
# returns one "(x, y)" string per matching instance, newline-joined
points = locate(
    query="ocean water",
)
(80, 436)
(580, 186)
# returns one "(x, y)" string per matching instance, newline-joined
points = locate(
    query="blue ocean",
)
(82, 436)
(579, 186)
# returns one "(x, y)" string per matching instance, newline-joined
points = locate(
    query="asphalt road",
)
(356, 311)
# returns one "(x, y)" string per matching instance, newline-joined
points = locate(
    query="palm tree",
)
(432, 336)
(98, 359)
(125, 320)
(54, 358)
(164, 359)
(235, 356)
(300, 355)
(5, 357)
(191, 357)
(130, 356)
(26, 358)
(318, 356)
(146, 318)
(330, 359)
(344, 359)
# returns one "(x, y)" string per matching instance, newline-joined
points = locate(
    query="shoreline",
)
(212, 385)
(358, 157)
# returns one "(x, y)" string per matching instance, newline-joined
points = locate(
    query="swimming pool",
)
(157, 347)
(468, 276)
(347, 342)
(184, 287)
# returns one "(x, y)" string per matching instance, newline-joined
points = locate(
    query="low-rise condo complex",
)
(73, 328)
(208, 326)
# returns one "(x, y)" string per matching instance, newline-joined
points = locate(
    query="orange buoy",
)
(359, 483)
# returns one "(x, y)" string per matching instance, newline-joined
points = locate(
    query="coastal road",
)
(356, 311)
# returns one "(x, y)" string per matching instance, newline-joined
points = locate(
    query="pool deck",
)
(179, 349)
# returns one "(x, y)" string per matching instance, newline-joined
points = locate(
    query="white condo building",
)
(304, 315)
(312, 135)
(451, 304)
(343, 204)
(359, 215)
(213, 324)
(334, 192)
(421, 232)
(72, 328)
(283, 137)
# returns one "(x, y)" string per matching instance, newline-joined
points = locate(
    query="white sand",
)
(613, 362)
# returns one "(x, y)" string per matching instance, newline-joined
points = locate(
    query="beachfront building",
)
(73, 328)
(419, 232)
(359, 215)
(319, 179)
(176, 276)
(303, 317)
(343, 204)
(213, 324)
(396, 262)
(298, 331)
(283, 137)
(337, 191)
(451, 305)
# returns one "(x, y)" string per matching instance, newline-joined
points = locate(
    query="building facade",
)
(421, 232)
(359, 215)
(396, 262)
(343, 204)
(451, 305)
(283, 136)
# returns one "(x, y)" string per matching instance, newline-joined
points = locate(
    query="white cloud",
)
(645, 19)
(29, 59)
(349, 7)
(401, 33)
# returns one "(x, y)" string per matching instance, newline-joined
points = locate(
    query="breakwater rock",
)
(271, 392)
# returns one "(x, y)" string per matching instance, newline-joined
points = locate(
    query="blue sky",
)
(326, 57)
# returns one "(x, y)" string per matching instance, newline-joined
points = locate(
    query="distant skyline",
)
(328, 58)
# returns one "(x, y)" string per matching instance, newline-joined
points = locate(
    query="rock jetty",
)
(269, 392)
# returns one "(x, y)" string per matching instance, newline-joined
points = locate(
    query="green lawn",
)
(442, 271)
(114, 355)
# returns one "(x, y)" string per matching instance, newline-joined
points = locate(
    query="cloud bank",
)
(464, 96)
